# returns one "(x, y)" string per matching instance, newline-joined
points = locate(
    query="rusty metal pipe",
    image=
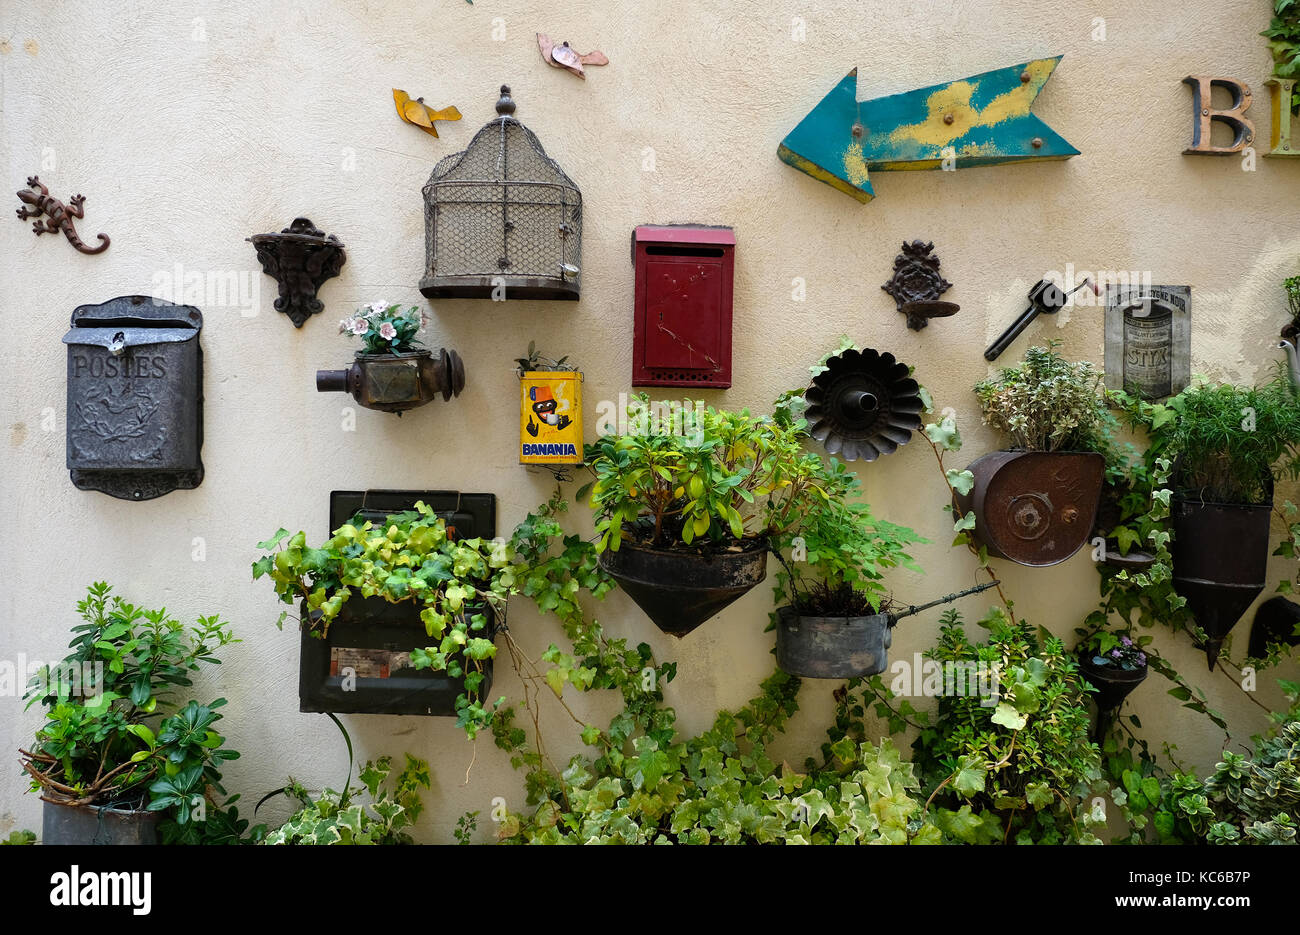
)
(331, 381)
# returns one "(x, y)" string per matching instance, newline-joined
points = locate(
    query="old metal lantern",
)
(502, 220)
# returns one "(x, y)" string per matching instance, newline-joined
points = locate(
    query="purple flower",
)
(1115, 653)
(1142, 659)
(1126, 641)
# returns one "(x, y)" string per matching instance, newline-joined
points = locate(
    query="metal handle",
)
(331, 381)
(914, 609)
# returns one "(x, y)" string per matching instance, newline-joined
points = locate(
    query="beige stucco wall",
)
(190, 127)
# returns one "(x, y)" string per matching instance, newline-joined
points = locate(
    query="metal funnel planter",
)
(680, 589)
(1220, 555)
(832, 647)
(1113, 685)
(1034, 507)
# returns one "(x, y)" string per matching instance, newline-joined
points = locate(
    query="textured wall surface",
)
(190, 127)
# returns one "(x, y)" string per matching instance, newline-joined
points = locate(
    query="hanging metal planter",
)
(864, 404)
(1034, 507)
(1220, 553)
(397, 382)
(502, 220)
(680, 589)
(814, 647)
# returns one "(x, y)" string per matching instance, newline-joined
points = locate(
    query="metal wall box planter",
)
(1204, 114)
(832, 647)
(502, 220)
(983, 120)
(1220, 555)
(863, 405)
(916, 285)
(1033, 507)
(397, 382)
(95, 824)
(135, 397)
(372, 637)
(682, 329)
(1148, 339)
(550, 417)
(680, 589)
(299, 258)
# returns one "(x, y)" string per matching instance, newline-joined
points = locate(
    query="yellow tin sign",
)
(550, 417)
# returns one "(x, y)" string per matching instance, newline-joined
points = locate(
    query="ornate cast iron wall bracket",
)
(916, 285)
(58, 216)
(299, 258)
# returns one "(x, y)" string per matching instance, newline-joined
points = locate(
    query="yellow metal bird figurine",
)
(420, 114)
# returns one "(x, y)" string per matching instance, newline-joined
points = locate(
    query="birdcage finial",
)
(506, 105)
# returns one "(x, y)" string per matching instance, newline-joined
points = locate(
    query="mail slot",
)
(363, 665)
(135, 397)
(683, 305)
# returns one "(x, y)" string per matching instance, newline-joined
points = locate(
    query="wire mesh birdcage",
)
(502, 220)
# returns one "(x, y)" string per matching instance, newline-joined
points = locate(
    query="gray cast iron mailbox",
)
(135, 397)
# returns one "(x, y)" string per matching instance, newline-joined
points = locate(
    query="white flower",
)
(345, 325)
(360, 326)
(387, 331)
(376, 308)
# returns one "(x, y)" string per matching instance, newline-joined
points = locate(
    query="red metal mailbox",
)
(683, 305)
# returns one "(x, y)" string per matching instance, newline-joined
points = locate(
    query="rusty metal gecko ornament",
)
(58, 216)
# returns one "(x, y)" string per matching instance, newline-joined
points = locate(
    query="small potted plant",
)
(1035, 502)
(1115, 665)
(550, 411)
(1228, 444)
(685, 501)
(455, 590)
(117, 759)
(392, 373)
(832, 624)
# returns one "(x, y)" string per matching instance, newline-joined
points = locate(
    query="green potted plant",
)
(1228, 444)
(685, 501)
(391, 372)
(451, 590)
(1035, 502)
(831, 624)
(1291, 332)
(116, 757)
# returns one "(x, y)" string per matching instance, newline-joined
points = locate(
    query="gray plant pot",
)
(91, 824)
(832, 647)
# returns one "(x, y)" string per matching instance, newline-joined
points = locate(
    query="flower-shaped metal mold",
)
(863, 405)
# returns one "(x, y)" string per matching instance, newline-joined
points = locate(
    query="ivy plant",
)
(454, 583)
(339, 818)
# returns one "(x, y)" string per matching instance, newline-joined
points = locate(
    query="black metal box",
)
(374, 637)
(135, 397)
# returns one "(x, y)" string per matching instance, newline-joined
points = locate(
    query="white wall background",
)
(191, 126)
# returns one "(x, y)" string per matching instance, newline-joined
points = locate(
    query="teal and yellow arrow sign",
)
(979, 121)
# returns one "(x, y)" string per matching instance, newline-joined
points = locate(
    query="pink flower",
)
(360, 326)
(387, 331)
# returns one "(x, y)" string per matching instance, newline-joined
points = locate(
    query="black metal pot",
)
(92, 824)
(680, 589)
(1220, 553)
(1034, 507)
(831, 647)
(1112, 683)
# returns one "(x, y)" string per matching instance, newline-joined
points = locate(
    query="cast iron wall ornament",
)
(299, 258)
(135, 397)
(864, 404)
(916, 285)
(58, 216)
(502, 220)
